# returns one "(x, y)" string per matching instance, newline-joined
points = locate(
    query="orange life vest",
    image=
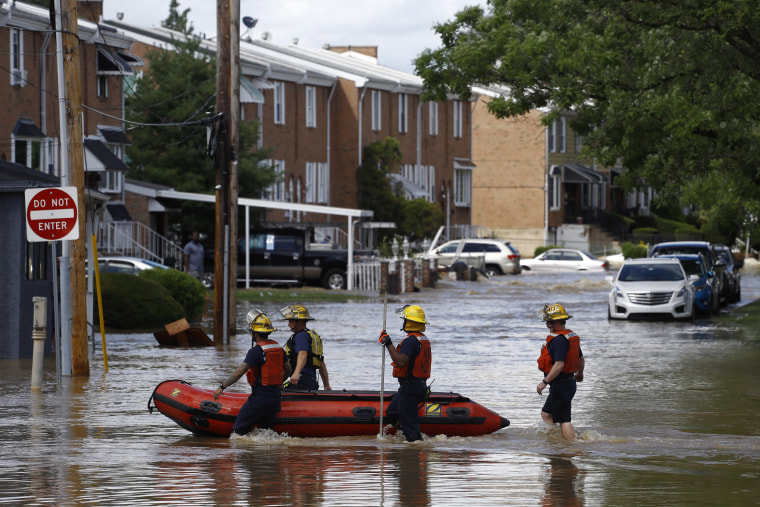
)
(418, 366)
(269, 373)
(545, 361)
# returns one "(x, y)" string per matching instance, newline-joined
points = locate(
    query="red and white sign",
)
(51, 214)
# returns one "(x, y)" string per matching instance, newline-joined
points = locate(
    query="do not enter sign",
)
(51, 214)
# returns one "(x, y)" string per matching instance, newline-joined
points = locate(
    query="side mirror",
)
(694, 278)
(710, 274)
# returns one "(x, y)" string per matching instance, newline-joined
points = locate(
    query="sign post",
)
(51, 214)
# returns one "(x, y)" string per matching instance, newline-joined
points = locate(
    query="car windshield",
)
(693, 267)
(650, 273)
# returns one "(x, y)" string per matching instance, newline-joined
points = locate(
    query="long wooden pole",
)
(73, 105)
(382, 369)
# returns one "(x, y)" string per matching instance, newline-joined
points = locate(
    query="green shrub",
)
(645, 235)
(633, 251)
(187, 290)
(133, 302)
(541, 249)
(689, 234)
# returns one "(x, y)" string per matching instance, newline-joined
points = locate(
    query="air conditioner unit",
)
(18, 77)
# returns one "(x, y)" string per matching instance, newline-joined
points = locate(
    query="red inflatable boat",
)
(320, 413)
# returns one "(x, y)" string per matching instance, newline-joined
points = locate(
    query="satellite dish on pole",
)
(249, 22)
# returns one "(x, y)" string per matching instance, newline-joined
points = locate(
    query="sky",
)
(401, 29)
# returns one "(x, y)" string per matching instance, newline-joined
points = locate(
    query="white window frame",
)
(276, 191)
(431, 183)
(555, 188)
(323, 183)
(562, 135)
(457, 106)
(433, 118)
(102, 86)
(311, 182)
(377, 102)
(279, 103)
(403, 113)
(111, 181)
(18, 74)
(551, 135)
(311, 106)
(462, 187)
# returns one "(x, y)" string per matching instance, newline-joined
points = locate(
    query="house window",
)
(28, 152)
(555, 188)
(562, 135)
(103, 87)
(279, 103)
(433, 118)
(311, 106)
(276, 191)
(110, 181)
(457, 118)
(462, 187)
(18, 74)
(431, 182)
(376, 113)
(551, 134)
(316, 182)
(403, 113)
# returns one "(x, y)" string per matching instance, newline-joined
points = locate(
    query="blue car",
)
(701, 280)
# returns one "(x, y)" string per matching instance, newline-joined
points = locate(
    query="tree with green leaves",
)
(669, 90)
(172, 108)
(416, 219)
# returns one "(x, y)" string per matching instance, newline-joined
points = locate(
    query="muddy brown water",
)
(667, 415)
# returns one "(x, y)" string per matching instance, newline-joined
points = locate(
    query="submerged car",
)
(651, 288)
(732, 280)
(497, 257)
(705, 299)
(563, 259)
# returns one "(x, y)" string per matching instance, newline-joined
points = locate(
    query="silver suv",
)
(496, 257)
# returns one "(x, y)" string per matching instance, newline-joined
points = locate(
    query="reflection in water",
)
(563, 487)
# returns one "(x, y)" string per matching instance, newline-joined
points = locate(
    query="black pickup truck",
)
(286, 256)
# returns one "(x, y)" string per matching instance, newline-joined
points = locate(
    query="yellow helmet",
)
(413, 313)
(259, 322)
(554, 312)
(295, 312)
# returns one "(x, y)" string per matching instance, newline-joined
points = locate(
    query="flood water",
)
(667, 414)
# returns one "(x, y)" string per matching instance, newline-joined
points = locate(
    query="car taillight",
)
(512, 257)
(604, 265)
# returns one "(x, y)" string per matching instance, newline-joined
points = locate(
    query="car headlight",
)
(701, 287)
(618, 293)
(681, 293)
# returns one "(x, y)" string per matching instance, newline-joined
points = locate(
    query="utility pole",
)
(73, 107)
(235, 150)
(222, 268)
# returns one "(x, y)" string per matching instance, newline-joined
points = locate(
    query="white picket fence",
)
(367, 276)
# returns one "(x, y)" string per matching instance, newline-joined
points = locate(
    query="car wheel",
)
(492, 271)
(334, 279)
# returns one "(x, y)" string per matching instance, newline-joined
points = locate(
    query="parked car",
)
(702, 281)
(651, 288)
(564, 259)
(707, 250)
(732, 288)
(499, 257)
(130, 265)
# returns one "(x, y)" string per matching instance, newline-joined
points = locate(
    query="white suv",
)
(497, 257)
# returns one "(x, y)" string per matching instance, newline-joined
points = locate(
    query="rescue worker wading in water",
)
(562, 362)
(304, 351)
(266, 368)
(411, 366)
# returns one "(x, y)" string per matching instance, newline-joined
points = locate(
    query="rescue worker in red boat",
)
(411, 366)
(562, 362)
(267, 369)
(304, 351)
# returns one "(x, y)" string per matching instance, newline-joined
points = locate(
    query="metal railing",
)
(137, 240)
